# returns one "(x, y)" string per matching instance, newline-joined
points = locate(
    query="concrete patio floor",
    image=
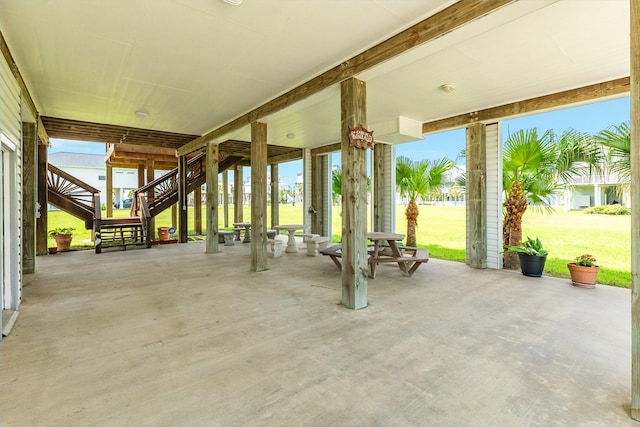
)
(174, 337)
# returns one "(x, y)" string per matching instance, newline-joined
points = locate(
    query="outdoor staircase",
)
(81, 200)
(71, 195)
(163, 192)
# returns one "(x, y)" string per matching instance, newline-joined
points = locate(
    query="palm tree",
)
(618, 140)
(336, 185)
(416, 179)
(534, 168)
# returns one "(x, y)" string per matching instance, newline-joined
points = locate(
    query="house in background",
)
(596, 190)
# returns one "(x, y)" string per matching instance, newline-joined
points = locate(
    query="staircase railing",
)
(159, 191)
(167, 185)
(69, 193)
(145, 218)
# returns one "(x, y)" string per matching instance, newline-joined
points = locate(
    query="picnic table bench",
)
(409, 260)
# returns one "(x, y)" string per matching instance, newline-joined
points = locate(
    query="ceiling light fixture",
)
(291, 135)
(233, 2)
(447, 88)
(142, 114)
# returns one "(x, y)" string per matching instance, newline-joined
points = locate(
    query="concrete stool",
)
(276, 247)
(226, 237)
(315, 244)
(308, 236)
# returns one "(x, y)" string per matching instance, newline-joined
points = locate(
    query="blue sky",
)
(590, 118)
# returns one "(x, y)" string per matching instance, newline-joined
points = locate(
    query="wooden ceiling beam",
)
(331, 148)
(574, 96)
(141, 149)
(287, 157)
(443, 22)
(112, 134)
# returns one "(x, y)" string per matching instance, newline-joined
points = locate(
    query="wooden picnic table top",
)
(381, 235)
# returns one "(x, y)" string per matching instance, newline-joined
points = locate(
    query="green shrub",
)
(608, 210)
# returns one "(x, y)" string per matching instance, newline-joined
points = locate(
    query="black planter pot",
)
(532, 265)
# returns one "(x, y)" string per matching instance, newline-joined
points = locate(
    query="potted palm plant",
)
(62, 236)
(584, 271)
(532, 256)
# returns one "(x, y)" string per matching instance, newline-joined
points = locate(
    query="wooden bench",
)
(118, 232)
(411, 259)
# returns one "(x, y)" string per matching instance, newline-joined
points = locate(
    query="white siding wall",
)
(11, 202)
(389, 172)
(326, 196)
(494, 196)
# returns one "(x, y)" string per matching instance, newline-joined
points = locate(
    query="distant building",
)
(595, 190)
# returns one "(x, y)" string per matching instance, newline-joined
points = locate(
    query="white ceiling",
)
(195, 65)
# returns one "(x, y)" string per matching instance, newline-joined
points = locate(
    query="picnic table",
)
(385, 249)
(247, 230)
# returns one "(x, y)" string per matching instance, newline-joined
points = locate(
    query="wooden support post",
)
(140, 175)
(476, 196)
(212, 198)
(258, 196)
(150, 195)
(635, 209)
(354, 197)
(108, 200)
(275, 195)
(43, 201)
(174, 215)
(29, 191)
(197, 211)
(225, 198)
(182, 200)
(237, 195)
(383, 185)
(319, 194)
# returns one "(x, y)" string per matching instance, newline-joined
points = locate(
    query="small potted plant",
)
(62, 236)
(531, 255)
(584, 271)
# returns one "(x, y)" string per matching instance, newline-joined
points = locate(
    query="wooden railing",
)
(145, 218)
(71, 195)
(166, 186)
(71, 187)
(163, 192)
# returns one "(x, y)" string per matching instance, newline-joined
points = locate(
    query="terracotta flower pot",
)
(584, 277)
(163, 233)
(63, 241)
(53, 250)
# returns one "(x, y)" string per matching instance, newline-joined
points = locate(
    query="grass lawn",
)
(441, 229)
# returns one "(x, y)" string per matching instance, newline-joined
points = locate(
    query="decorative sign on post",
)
(361, 138)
